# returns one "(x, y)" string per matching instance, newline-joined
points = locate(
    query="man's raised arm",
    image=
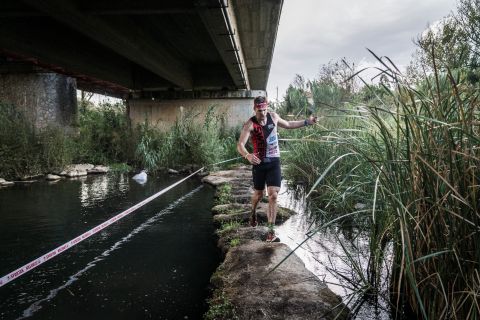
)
(294, 124)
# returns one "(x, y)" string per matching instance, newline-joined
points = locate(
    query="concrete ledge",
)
(240, 212)
(245, 285)
(197, 94)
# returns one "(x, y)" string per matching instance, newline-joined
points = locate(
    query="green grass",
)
(104, 135)
(220, 307)
(120, 167)
(230, 210)
(229, 226)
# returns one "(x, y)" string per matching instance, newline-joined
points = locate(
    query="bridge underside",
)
(123, 47)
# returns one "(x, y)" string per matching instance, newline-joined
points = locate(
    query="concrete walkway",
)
(245, 284)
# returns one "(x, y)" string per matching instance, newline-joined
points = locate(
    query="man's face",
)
(261, 113)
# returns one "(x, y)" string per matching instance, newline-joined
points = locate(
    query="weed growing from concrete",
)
(224, 194)
(221, 307)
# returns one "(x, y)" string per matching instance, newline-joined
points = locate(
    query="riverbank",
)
(70, 171)
(84, 169)
(253, 282)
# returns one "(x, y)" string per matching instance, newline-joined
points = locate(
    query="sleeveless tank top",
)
(265, 139)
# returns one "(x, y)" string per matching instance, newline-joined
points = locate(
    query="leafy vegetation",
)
(104, 136)
(186, 143)
(25, 152)
(224, 194)
(221, 308)
(234, 242)
(229, 226)
(399, 161)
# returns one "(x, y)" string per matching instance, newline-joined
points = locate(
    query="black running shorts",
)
(268, 173)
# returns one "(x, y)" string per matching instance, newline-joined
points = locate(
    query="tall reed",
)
(430, 178)
(414, 163)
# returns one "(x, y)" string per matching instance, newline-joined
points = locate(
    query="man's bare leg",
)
(272, 213)
(256, 197)
(272, 204)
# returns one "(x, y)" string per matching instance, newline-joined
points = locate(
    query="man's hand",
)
(253, 159)
(312, 120)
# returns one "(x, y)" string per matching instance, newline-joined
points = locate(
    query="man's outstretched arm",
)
(294, 124)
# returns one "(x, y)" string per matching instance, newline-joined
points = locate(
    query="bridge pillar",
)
(46, 98)
(162, 109)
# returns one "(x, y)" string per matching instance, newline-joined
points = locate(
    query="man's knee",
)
(273, 194)
(257, 194)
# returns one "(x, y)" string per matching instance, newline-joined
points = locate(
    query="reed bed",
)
(405, 167)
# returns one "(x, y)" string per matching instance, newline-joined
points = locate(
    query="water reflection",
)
(101, 188)
(330, 254)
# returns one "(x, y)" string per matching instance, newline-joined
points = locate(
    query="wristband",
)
(245, 156)
(305, 123)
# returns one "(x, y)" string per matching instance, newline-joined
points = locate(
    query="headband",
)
(261, 105)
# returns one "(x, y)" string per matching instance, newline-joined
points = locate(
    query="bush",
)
(104, 135)
(25, 152)
(57, 149)
(185, 143)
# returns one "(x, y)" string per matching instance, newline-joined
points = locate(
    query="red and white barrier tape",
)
(67, 245)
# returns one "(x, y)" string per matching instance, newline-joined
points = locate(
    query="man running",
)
(262, 129)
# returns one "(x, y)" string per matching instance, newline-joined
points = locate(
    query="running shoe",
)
(271, 237)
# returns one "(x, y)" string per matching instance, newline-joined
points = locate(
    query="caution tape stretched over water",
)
(69, 244)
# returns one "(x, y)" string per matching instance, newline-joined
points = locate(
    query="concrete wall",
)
(45, 98)
(163, 114)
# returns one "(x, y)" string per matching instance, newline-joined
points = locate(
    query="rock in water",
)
(52, 177)
(4, 183)
(99, 169)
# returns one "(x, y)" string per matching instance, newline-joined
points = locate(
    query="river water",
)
(329, 253)
(153, 264)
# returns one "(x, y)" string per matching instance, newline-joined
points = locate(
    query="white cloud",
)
(314, 32)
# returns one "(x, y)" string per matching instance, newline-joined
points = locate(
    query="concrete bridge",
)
(158, 55)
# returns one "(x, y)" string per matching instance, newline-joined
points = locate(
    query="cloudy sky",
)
(314, 32)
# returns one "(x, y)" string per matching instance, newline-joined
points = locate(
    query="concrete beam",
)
(73, 57)
(128, 41)
(219, 19)
(143, 7)
(200, 94)
(209, 76)
(258, 25)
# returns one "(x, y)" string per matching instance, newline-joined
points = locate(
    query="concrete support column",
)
(47, 99)
(233, 107)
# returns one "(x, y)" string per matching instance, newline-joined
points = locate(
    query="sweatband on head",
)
(261, 105)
